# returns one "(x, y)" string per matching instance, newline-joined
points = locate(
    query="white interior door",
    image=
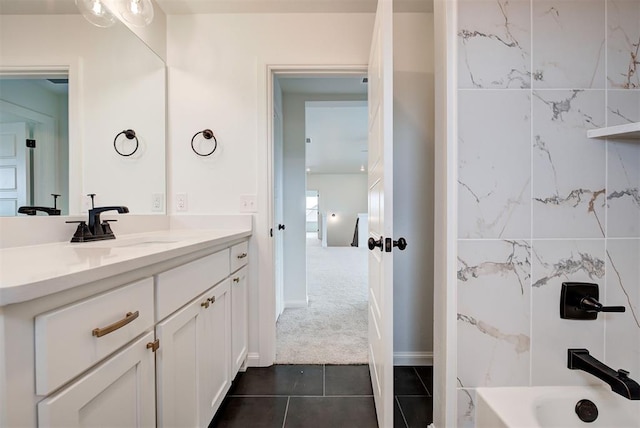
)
(13, 168)
(380, 182)
(278, 209)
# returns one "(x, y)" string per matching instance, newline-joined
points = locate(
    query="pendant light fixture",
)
(96, 13)
(138, 13)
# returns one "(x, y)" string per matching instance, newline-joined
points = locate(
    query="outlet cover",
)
(157, 202)
(248, 203)
(181, 202)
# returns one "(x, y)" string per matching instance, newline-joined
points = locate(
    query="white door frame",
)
(445, 281)
(266, 264)
(446, 214)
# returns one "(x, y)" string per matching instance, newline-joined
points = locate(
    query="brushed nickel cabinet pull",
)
(236, 279)
(154, 345)
(242, 256)
(130, 316)
(205, 304)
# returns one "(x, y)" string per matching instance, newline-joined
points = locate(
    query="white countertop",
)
(35, 271)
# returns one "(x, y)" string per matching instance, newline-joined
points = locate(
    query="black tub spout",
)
(619, 380)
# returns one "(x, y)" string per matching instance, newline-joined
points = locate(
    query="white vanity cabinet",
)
(118, 393)
(147, 345)
(239, 258)
(239, 320)
(74, 338)
(193, 361)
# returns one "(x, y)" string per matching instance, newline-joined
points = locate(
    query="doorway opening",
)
(324, 192)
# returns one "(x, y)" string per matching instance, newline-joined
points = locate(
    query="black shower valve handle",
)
(590, 304)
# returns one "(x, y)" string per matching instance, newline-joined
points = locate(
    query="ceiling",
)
(338, 129)
(38, 7)
(338, 132)
(26, 7)
(288, 6)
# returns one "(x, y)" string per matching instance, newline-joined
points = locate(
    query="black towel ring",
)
(207, 134)
(130, 134)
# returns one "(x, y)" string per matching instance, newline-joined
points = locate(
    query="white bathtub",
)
(552, 407)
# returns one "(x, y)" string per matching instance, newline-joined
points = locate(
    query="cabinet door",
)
(117, 393)
(192, 365)
(215, 355)
(239, 323)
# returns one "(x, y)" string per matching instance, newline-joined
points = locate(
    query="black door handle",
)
(281, 227)
(372, 243)
(401, 243)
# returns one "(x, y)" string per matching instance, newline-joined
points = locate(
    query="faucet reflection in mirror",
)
(32, 210)
(138, 13)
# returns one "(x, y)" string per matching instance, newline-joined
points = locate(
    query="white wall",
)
(217, 78)
(346, 196)
(120, 85)
(413, 187)
(294, 180)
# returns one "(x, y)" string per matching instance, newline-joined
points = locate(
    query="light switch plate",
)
(248, 203)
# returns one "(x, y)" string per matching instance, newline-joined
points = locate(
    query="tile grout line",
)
(286, 410)
(324, 380)
(422, 381)
(404, 419)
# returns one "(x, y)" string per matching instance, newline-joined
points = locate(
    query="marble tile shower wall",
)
(539, 203)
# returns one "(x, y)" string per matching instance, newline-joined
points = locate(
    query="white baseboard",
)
(253, 359)
(293, 304)
(413, 358)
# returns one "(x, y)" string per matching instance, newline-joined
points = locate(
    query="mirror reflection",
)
(115, 83)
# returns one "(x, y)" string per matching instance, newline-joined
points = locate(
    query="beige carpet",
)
(333, 328)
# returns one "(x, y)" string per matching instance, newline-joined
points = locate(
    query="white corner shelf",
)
(630, 131)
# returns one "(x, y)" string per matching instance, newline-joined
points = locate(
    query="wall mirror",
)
(105, 80)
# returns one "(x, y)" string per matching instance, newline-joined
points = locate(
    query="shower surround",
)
(539, 202)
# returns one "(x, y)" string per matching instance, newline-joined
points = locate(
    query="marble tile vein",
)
(629, 80)
(632, 193)
(634, 61)
(559, 107)
(618, 113)
(575, 198)
(624, 290)
(514, 77)
(470, 411)
(504, 215)
(521, 342)
(592, 266)
(541, 145)
(520, 268)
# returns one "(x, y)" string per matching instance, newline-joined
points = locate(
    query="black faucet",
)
(31, 210)
(97, 230)
(620, 382)
(96, 227)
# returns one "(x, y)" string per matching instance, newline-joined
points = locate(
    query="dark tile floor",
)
(334, 396)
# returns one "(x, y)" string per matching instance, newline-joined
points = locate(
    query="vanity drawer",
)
(239, 255)
(178, 286)
(71, 339)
